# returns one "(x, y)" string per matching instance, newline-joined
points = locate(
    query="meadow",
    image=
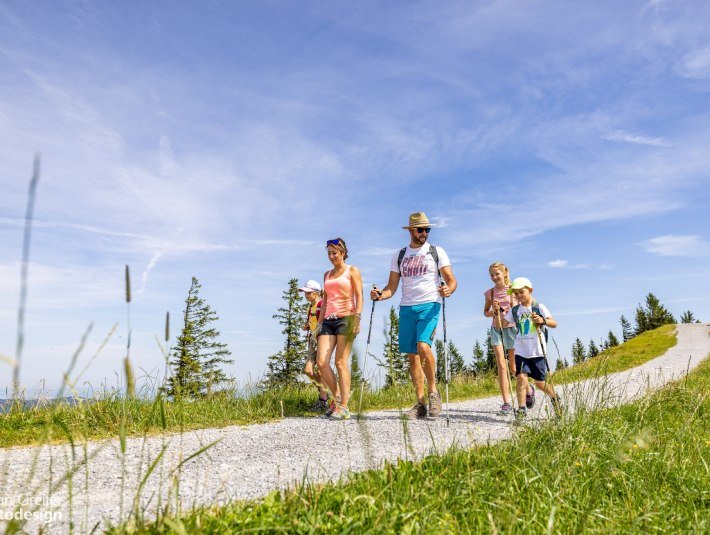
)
(110, 413)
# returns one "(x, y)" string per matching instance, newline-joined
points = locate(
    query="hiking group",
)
(518, 330)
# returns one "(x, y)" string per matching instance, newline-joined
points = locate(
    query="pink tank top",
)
(339, 295)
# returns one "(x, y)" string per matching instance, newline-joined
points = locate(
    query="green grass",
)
(632, 353)
(100, 419)
(640, 468)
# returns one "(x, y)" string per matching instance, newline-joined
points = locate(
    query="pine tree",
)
(652, 316)
(561, 363)
(198, 354)
(612, 340)
(627, 333)
(479, 356)
(395, 362)
(457, 366)
(439, 352)
(593, 349)
(579, 355)
(490, 362)
(688, 317)
(285, 366)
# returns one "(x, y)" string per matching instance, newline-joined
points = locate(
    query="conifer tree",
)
(457, 366)
(627, 333)
(561, 364)
(593, 349)
(198, 354)
(688, 317)
(478, 361)
(439, 353)
(285, 367)
(490, 362)
(579, 355)
(612, 340)
(393, 360)
(652, 316)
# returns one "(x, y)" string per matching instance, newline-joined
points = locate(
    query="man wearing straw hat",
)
(420, 266)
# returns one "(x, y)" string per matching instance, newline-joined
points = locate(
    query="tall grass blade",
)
(26, 241)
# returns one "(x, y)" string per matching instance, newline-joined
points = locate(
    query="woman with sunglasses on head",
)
(339, 324)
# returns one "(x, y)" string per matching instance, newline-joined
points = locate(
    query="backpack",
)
(432, 252)
(536, 310)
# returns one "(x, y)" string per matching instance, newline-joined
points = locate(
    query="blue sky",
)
(229, 140)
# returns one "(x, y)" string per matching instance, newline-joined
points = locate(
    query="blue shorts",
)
(534, 367)
(508, 341)
(417, 323)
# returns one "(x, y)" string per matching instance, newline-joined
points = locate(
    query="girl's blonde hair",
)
(503, 268)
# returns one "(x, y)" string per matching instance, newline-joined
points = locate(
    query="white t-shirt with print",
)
(527, 343)
(419, 275)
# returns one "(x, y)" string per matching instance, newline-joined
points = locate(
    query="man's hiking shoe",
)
(520, 414)
(434, 405)
(530, 398)
(340, 414)
(418, 411)
(506, 409)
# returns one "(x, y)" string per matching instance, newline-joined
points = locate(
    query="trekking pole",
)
(367, 350)
(513, 395)
(547, 365)
(446, 360)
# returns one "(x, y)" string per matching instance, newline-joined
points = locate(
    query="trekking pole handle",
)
(372, 314)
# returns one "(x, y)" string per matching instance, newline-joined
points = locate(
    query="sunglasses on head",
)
(422, 230)
(335, 242)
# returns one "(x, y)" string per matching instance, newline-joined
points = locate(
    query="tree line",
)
(197, 357)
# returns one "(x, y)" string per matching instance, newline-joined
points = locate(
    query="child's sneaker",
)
(506, 409)
(521, 414)
(320, 405)
(530, 398)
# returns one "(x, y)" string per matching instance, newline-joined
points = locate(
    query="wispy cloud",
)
(559, 263)
(696, 64)
(690, 246)
(620, 135)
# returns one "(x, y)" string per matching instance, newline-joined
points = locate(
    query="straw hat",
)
(418, 219)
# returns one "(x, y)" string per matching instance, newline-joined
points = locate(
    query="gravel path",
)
(250, 461)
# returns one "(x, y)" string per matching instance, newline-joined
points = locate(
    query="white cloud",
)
(559, 263)
(691, 246)
(696, 64)
(620, 135)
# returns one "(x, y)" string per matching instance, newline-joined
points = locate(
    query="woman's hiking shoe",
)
(520, 414)
(506, 409)
(530, 398)
(332, 405)
(418, 411)
(434, 405)
(340, 414)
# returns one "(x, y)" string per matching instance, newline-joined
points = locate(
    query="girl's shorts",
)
(508, 341)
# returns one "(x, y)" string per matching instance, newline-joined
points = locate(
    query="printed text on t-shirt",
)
(413, 266)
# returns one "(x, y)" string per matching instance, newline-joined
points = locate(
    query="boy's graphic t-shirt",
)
(419, 275)
(527, 342)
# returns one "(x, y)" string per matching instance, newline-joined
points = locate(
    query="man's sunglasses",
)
(422, 230)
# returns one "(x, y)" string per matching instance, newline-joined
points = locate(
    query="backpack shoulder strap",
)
(402, 251)
(434, 253)
(514, 310)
